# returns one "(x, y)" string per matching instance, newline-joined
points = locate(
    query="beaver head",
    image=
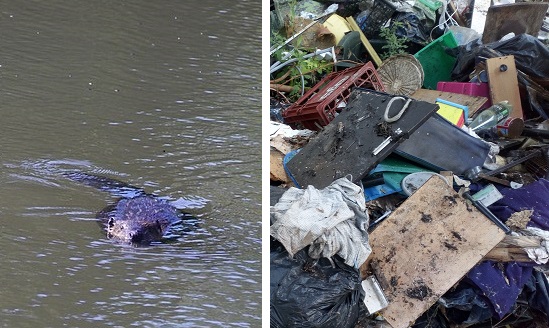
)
(138, 221)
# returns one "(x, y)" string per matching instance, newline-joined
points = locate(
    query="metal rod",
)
(484, 210)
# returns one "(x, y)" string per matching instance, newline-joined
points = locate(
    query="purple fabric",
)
(502, 287)
(534, 196)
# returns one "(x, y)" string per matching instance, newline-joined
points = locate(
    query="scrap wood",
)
(518, 18)
(512, 248)
(502, 73)
(425, 246)
(473, 102)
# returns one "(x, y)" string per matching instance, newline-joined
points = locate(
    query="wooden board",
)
(346, 145)
(518, 18)
(425, 246)
(502, 74)
(473, 102)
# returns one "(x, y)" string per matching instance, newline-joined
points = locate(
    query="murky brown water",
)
(160, 94)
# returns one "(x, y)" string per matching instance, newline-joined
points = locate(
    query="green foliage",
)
(395, 45)
(304, 73)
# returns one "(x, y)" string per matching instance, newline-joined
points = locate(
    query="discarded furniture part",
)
(518, 18)
(436, 62)
(502, 74)
(480, 11)
(319, 106)
(365, 41)
(331, 221)
(449, 147)
(401, 75)
(473, 103)
(479, 89)
(346, 146)
(443, 235)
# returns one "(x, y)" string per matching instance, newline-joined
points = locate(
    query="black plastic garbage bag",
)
(531, 56)
(537, 292)
(466, 305)
(311, 293)
(412, 28)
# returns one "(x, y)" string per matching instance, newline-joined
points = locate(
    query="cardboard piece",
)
(426, 246)
(346, 145)
(502, 74)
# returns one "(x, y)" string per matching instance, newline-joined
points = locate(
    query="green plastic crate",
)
(437, 63)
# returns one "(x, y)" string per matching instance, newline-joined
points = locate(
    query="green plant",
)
(303, 73)
(395, 45)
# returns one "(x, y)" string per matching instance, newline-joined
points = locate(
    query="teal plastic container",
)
(437, 63)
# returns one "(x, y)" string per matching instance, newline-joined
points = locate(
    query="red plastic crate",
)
(319, 106)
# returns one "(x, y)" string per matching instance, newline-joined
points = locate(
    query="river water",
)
(163, 95)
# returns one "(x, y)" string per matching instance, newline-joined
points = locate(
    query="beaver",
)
(137, 218)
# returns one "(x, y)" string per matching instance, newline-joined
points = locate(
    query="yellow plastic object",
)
(338, 26)
(452, 114)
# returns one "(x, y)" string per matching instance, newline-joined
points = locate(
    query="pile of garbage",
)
(409, 163)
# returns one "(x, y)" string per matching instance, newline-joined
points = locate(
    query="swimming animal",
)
(137, 218)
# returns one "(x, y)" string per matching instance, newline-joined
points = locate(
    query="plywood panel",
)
(424, 247)
(518, 18)
(473, 102)
(502, 74)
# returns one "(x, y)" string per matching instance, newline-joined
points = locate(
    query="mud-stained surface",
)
(427, 245)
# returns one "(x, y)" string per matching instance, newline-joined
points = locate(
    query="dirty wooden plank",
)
(473, 102)
(502, 74)
(346, 145)
(425, 246)
(518, 18)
